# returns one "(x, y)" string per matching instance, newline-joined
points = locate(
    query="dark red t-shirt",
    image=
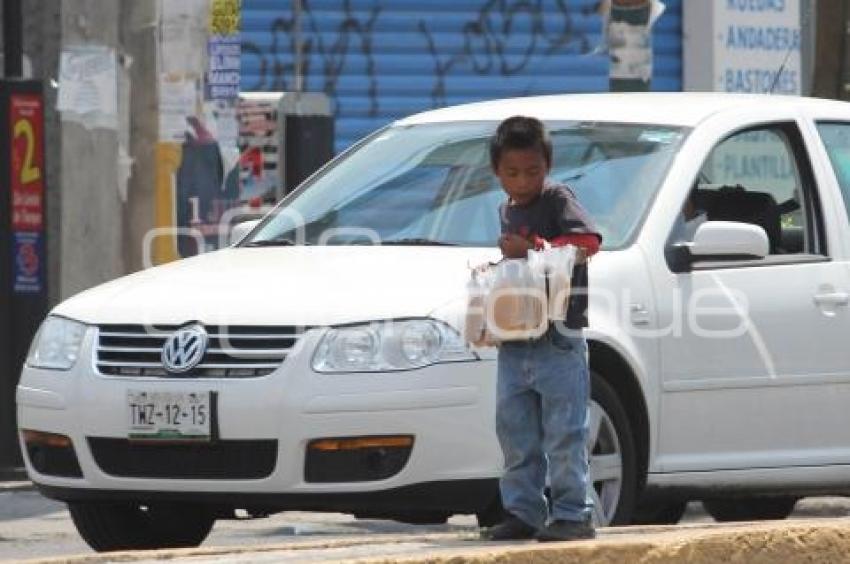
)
(554, 213)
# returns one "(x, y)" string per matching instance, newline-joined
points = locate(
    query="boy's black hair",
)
(520, 132)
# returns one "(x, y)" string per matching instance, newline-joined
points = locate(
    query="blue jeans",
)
(541, 414)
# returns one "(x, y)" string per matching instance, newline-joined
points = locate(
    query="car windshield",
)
(432, 184)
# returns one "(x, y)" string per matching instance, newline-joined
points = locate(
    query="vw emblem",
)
(184, 349)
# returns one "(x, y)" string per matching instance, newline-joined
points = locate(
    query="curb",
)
(822, 540)
(16, 486)
(753, 544)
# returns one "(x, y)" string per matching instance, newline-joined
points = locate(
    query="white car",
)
(307, 367)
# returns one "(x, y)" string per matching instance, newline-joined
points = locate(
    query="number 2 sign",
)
(26, 114)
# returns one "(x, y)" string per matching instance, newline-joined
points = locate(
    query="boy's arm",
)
(586, 244)
(514, 246)
(576, 226)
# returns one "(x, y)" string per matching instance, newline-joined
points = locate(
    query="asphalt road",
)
(32, 526)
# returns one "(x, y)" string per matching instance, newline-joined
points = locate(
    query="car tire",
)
(493, 514)
(128, 526)
(659, 513)
(614, 495)
(423, 518)
(750, 509)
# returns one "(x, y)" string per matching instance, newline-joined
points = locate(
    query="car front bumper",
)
(448, 410)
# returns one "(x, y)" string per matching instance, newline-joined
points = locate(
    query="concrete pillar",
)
(92, 242)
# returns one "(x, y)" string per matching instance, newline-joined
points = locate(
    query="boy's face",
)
(522, 172)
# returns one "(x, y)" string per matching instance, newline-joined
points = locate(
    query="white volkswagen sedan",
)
(317, 364)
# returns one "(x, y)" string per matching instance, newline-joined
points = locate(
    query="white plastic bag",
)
(559, 263)
(514, 299)
(475, 322)
(516, 303)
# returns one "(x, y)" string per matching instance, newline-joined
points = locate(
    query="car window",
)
(754, 176)
(434, 182)
(836, 139)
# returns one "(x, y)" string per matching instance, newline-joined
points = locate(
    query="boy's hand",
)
(514, 246)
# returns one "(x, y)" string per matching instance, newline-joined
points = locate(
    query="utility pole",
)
(831, 45)
(139, 32)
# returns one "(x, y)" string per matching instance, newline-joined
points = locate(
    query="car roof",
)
(669, 108)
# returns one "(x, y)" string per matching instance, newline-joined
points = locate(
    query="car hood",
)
(307, 286)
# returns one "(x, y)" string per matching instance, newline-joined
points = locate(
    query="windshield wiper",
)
(418, 241)
(583, 171)
(273, 243)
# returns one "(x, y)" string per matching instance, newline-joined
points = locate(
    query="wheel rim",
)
(606, 465)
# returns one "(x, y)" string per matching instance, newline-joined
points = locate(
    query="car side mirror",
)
(240, 230)
(728, 240)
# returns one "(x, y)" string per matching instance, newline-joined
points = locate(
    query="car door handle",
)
(640, 315)
(833, 298)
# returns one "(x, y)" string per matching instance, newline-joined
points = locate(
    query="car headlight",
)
(388, 346)
(57, 343)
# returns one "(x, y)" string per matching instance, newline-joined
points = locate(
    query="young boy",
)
(543, 384)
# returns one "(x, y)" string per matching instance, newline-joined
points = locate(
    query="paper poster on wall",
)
(259, 173)
(201, 194)
(178, 99)
(225, 17)
(224, 66)
(182, 28)
(88, 86)
(219, 117)
(754, 42)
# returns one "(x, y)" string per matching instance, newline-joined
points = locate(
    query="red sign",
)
(26, 113)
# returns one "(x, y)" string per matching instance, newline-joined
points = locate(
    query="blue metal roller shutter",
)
(382, 59)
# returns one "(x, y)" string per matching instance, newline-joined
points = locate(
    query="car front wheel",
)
(750, 509)
(107, 526)
(659, 513)
(613, 464)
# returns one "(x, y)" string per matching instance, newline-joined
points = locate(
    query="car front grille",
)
(232, 352)
(222, 460)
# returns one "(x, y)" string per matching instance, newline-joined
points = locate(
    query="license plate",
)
(168, 415)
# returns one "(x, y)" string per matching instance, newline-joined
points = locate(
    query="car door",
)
(755, 347)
